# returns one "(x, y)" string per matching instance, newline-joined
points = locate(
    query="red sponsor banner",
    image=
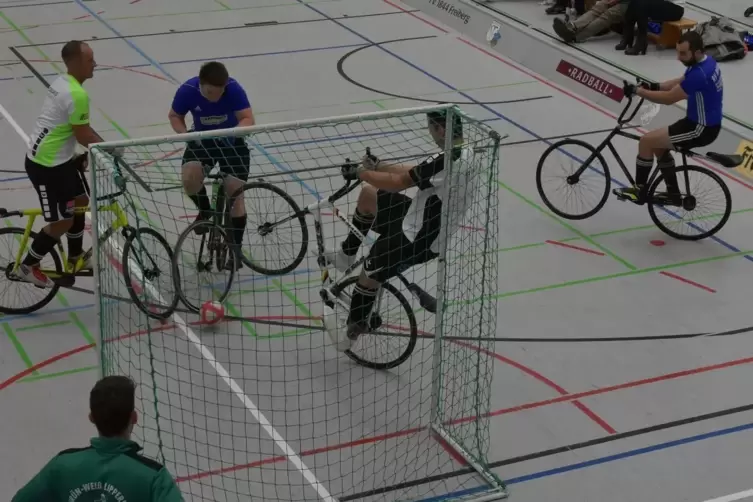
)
(590, 80)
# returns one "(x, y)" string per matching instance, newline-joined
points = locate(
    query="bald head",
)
(79, 60)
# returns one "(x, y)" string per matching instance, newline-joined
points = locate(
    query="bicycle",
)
(214, 240)
(334, 292)
(64, 275)
(687, 201)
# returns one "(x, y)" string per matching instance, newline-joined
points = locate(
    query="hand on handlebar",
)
(351, 170)
(369, 161)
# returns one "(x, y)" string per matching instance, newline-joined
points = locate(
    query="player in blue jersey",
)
(702, 87)
(215, 101)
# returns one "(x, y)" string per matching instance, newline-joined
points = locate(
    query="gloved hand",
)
(351, 170)
(370, 162)
(628, 89)
(651, 86)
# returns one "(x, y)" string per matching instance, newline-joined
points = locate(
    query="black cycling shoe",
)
(201, 229)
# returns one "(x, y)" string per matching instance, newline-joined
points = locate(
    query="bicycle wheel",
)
(594, 180)
(147, 259)
(277, 238)
(392, 324)
(197, 275)
(700, 210)
(29, 298)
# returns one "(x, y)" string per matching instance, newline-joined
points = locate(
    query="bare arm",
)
(177, 122)
(85, 135)
(670, 84)
(669, 97)
(389, 181)
(384, 167)
(245, 118)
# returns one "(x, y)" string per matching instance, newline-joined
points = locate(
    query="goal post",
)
(259, 402)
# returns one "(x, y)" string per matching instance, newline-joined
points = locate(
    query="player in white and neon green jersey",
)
(53, 166)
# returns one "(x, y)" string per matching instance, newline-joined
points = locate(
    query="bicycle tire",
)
(704, 235)
(295, 213)
(133, 234)
(412, 335)
(176, 269)
(539, 185)
(51, 292)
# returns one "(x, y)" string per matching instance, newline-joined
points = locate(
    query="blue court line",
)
(46, 312)
(491, 110)
(201, 60)
(601, 460)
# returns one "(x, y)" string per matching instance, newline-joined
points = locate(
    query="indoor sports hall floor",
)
(624, 357)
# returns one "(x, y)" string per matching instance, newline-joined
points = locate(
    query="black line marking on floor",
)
(223, 28)
(577, 48)
(555, 451)
(563, 136)
(15, 6)
(348, 78)
(44, 81)
(712, 13)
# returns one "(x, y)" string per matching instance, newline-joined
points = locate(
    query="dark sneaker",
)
(565, 30)
(201, 230)
(667, 198)
(556, 9)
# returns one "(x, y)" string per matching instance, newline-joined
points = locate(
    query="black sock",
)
(239, 226)
(642, 170)
(667, 164)
(201, 199)
(42, 245)
(363, 223)
(76, 236)
(361, 304)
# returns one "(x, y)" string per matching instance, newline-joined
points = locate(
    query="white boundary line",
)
(209, 357)
(734, 496)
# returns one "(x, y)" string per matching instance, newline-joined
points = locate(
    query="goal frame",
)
(497, 489)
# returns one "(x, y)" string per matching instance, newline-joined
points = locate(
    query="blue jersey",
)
(705, 90)
(206, 114)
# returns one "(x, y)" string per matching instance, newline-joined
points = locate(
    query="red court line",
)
(541, 378)
(590, 105)
(688, 281)
(578, 248)
(413, 14)
(537, 404)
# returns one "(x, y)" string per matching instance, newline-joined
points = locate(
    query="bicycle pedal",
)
(64, 281)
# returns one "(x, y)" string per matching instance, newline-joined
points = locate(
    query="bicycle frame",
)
(618, 130)
(31, 215)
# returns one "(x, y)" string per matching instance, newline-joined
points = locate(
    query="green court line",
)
(642, 271)
(224, 6)
(293, 298)
(43, 325)
(285, 334)
(267, 289)
(568, 226)
(58, 374)
(19, 347)
(378, 104)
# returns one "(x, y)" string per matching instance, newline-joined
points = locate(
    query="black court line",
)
(44, 81)
(223, 28)
(556, 451)
(562, 136)
(717, 14)
(16, 6)
(575, 47)
(341, 71)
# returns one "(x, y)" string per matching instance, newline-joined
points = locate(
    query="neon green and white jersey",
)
(66, 105)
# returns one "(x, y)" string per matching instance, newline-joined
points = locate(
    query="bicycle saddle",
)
(726, 160)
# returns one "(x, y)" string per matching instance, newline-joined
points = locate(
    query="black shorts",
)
(686, 134)
(393, 252)
(58, 186)
(232, 159)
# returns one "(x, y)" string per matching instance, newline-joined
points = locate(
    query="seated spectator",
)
(598, 20)
(638, 13)
(560, 7)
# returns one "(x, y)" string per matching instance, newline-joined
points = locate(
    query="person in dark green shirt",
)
(110, 469)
